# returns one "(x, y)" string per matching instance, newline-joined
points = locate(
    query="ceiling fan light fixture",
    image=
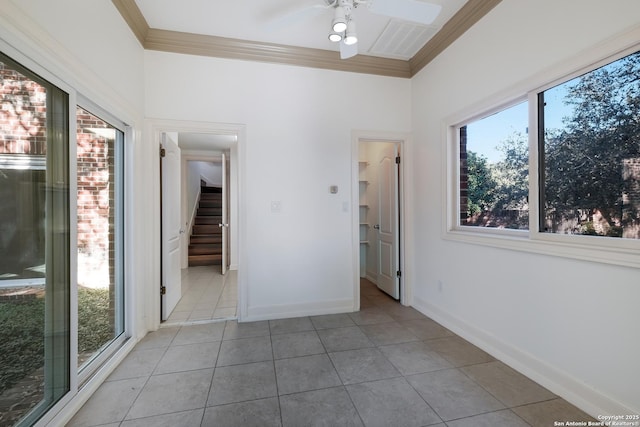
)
(335, 37)
(350, 36)
(339, 23)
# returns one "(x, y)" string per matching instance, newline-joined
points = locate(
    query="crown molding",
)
(464, 19)
(222, 47)
(133, 17)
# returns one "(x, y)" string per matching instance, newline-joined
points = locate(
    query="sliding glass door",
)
(34, 245)
(62, 292)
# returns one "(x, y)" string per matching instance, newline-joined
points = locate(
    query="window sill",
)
(581, 248)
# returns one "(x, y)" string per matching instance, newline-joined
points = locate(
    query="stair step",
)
(209, 211)
(210, 190)
(210, 196)
(204, 260)
(206, 229)
(205, 239)
(205, 249)
(210, 204)
(202, 220)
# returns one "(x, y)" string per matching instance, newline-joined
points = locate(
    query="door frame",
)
(153, 129)
(190, 156)
(405, 167)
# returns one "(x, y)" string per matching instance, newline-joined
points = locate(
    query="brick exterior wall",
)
(23, 131)
(631, 198)
(95, 160)
(22, 114)
(464, 173)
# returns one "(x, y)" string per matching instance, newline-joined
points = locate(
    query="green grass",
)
(94, 326)
(21, 340)
(22, 332)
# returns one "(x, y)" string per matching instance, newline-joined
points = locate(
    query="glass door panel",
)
(34, 245)
(100, 231)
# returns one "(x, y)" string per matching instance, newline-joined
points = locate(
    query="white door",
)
(171, 227)
(387, 227)
(225, 220)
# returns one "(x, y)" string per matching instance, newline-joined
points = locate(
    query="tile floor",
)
(387, 365)
(207, 295)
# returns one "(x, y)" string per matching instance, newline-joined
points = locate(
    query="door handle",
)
(377, 226)
(222, 225)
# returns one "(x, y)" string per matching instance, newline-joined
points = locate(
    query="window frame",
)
(59, 330)
(601, 249)
(88, 369)
(456, 223)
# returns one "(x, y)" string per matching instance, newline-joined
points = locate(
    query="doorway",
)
(379, 219)
(200, 293)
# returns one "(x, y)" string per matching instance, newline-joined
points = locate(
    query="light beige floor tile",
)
(510, 387)
(177, 419)
(161, 338)
(235, 330)
(109, 403)
(458, 351)
(168, 393)
(547, 413)
(188, 357)
(138, 363)
(192, 334)
(453, 395)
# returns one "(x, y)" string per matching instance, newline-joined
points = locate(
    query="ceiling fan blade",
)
(408, 10)
(348, 50)
(279, 19)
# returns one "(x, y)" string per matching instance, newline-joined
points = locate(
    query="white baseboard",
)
(284, 311)
(373, 278)
(558, 382)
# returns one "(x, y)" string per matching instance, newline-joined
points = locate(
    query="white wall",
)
(298, 129)
(96, 51)
(211, 173)
(572, 325)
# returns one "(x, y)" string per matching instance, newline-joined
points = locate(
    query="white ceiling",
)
(293, 22)
(205, 141)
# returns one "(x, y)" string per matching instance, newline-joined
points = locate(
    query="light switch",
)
(276, 206)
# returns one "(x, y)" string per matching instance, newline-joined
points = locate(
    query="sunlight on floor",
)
(206, 295)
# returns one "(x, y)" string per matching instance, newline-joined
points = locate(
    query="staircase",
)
(205, 245)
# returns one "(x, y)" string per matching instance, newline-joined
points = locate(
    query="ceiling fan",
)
(343, 26)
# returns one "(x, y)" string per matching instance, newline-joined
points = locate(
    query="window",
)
(494, 172)
(34, 245)
(558, 174)
(589, 151)
(100, 234)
